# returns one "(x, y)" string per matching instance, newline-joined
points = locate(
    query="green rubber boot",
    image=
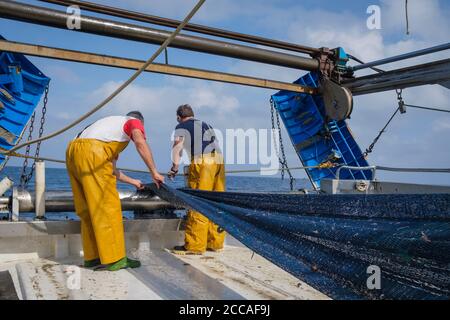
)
(92, 263)
(123, 264)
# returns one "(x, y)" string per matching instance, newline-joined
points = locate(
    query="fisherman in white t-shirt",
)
(91, 163)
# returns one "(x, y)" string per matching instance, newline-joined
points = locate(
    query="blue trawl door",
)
(21, 88)
(315, 140)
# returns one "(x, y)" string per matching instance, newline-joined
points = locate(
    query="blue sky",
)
(416, 139)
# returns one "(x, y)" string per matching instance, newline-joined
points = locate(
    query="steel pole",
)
(119, 62)
(111, 28)
(436, 72)
(139, 16)
(62, 201)
(40, 190)
(404, 56)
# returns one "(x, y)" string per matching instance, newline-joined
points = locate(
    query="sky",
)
(415, 139)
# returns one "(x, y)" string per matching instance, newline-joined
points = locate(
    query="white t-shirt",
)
(113, 128)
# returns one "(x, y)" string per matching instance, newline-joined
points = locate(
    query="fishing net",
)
(338, 243)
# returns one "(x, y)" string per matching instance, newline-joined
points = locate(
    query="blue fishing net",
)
(331, 242)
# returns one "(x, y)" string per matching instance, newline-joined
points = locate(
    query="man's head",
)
(184, 112)
(136, 114)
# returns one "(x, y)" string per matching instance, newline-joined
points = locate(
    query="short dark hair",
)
(136, 114)
(185, 111)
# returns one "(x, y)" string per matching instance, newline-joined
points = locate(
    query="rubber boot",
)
(92, 263)
(181, 250)
(123, 264)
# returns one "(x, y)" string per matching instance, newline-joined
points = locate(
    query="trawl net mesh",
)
(332, 241)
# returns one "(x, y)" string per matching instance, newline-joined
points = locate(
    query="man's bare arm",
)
(177, 152)
(122, 177)
(146, 154)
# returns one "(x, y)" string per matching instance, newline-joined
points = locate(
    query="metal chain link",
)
(26, 177)
(281, 158)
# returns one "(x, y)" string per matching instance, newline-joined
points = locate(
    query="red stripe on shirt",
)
(132, 124)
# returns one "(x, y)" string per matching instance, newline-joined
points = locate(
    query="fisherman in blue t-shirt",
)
(206, 172)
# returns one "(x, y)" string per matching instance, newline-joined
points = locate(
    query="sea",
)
(58, 180)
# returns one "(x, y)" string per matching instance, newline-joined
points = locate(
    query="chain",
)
(281, 158)
(26, 176)
(41, 128)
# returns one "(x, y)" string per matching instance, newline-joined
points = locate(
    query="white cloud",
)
(441, 126)
(339, 29)
(204, 97)
(156, 101)
(60, 73)
(211, 11)
(417, 138)
(428, 20)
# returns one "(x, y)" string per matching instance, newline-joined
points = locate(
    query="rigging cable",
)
(426, 108)
(320, 166)
(399, 108)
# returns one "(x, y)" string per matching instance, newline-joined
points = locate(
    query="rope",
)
(407, 18)
(118, 90)
(427, 108)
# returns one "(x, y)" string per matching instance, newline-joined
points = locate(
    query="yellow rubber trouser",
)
(205, 173)
(97, 203)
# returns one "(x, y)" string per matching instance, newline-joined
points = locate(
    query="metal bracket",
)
(373, 168)
(326, 64)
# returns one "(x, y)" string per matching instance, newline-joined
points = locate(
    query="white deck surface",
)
(251, 275)
(44, 260)
(234, 273)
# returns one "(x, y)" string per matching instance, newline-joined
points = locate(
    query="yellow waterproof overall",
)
(97, 203)
(206, 172)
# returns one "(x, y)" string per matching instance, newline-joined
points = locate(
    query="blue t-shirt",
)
(199, 137)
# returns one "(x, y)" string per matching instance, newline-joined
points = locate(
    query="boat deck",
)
(233, 274)
(41, 260)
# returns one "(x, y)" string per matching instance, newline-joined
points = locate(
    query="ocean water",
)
(57, 179)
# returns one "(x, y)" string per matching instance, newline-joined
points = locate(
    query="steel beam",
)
(110, 61)
(111, 28)
(62, 201)
(404, 56)
(139, 16)
(437, 72)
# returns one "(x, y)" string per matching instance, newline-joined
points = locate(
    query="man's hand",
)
(137, 183)
(172, 172)
(126, 179)
(158, 179)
